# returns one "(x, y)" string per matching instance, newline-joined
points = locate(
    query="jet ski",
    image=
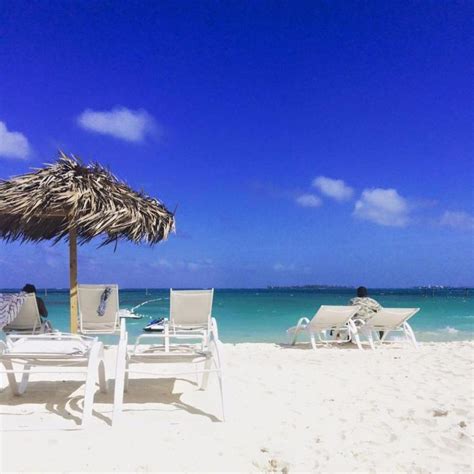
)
(156, 325)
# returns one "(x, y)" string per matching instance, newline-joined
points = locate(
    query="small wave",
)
(450, 330)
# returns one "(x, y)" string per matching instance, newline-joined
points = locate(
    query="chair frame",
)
(173, 329)
(115, 295)
(91, 363)
(305, 325)
(371, 330)
(210, 353)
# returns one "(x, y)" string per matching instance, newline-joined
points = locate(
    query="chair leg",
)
(205, 375)
(92, 371)
(221, 388)
(370, 337)
(295, 337)
(24, 379)
(217, 361)
(410, 334)
(196, 374)
(103, 384)
(214, 329)
(357, 340)
(353, 334)
(89, 395)
(118, 396)
(300, 327)
(11, 378)
(121, 371)
(167, 338)
(126, 377)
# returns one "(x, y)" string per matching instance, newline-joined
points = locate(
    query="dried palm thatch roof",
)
(43, 204)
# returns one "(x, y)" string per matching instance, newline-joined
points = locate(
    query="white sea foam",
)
(447, 333)
(451, 330)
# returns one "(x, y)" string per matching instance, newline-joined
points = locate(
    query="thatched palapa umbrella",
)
(71, 201)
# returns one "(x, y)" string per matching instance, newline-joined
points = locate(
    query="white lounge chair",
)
(28, 320)
(59, 352)
(90, 322)
(191, 313)
(389, 320)
(328, 318)
(208, 353)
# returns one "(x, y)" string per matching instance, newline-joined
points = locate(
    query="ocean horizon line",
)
(271, 288)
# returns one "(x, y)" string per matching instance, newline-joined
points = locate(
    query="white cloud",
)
(161, 263)
(279, 267)
(282, 268)
(457, 220)
(333, 188)
(199, 265)
(53, 255)
(308, 200)
(383, 206)
(120, 122)
(193, 266)
(190, 265)
(13, 144)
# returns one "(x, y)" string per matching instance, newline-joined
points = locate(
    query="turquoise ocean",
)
(263, 315)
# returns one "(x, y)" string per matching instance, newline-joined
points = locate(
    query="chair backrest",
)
(332, 316)
(90, 322)
(191, 308)
(391, 317)
(28, 319)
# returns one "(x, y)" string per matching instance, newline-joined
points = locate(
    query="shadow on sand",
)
(61, 398)
(320, 346)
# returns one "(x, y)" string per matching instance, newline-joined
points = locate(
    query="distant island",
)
(311, 287)
(424, 289)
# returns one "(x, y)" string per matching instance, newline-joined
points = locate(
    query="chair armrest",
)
(214, 329)
(123, 328)
(302, 320)
(216, 348)
(122, 348)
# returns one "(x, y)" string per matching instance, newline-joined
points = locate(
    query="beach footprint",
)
(272, 465)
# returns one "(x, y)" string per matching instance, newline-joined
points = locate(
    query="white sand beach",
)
(288, 410)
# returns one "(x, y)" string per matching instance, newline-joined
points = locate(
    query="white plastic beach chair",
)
(28, 320)
(59, 352)
(328, 318)
(207, 355)
(389, 320)
(90, 322)
(190, 313)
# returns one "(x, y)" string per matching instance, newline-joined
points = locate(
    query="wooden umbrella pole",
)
(73, 277)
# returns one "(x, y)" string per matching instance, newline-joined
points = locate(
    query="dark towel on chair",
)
(103, 301)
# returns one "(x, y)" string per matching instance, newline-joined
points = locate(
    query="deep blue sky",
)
(251, 101)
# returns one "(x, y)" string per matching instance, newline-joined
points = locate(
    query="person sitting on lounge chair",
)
(43, 311)
(368, 306)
